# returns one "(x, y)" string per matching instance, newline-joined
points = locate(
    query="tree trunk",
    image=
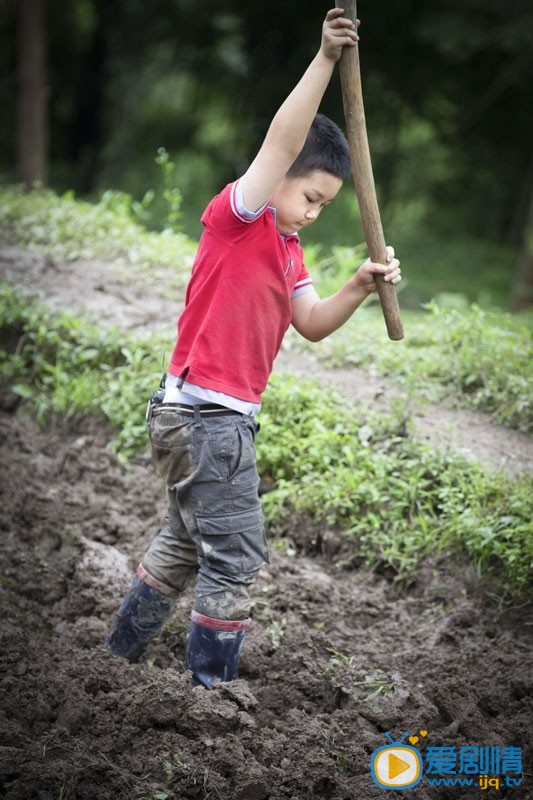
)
(523, 286)
(32, 136)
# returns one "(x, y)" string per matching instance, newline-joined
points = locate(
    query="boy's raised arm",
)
(290, 126)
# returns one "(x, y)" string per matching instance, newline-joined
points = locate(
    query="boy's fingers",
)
(341, 28)
(334, 12)
(345, 40)
(334, 16)
(341, 22)
(343, 36)
(394, 275)
(393, 266)
(390, 267)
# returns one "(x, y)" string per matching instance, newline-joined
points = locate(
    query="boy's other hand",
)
(337, 31)
(365, 275)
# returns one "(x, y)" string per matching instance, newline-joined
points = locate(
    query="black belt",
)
(205, 410)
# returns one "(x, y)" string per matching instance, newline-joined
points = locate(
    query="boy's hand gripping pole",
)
(352, 98)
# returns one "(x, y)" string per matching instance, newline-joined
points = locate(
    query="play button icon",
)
(396, 766)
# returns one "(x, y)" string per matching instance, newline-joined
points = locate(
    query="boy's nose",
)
(311, 214)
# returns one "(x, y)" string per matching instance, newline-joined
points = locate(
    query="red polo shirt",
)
(238, 301)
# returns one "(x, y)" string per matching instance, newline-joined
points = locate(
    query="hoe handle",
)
(354, 112)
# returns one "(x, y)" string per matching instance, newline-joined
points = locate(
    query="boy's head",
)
(314, 178)
(325, 149)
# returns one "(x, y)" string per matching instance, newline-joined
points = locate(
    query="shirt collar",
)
(283, 235)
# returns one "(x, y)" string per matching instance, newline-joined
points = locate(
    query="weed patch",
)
(395, 498)
(68, 229)
(68, 367)
(473, 358)
(469, 356)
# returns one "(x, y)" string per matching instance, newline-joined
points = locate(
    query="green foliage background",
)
(447, 102)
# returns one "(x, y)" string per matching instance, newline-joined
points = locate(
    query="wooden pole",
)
(354, 112)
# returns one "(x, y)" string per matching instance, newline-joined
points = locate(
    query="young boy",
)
(248, 284)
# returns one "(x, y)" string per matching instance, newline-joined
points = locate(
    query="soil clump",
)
(336, 657)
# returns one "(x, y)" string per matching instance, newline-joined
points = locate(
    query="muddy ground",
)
(336, 655)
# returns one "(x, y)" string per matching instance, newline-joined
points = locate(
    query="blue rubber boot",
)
(214, 648)
(143, 613)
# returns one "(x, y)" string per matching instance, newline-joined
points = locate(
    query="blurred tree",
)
(523, 285)
(32, 134)
(447, 96)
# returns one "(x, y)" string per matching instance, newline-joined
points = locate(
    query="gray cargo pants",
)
(215, 524)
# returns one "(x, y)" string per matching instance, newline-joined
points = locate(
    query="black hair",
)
(325, 149)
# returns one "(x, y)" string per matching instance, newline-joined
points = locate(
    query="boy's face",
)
(299, 201)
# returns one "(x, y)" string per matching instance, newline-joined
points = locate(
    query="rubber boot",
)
(214, 648)
(143, 613)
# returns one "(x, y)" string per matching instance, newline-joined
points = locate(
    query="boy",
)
(247, 285)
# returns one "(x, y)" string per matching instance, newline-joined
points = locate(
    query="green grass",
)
(395, 499)
(457, 352)
(68, 367)
(398, 499)
(469, 357)
(68, 229)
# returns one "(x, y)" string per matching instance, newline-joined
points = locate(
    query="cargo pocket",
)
(170, 439)
(234, 544)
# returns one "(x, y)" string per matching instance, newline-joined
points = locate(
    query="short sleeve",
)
(226, 211)
(238, 207)
(303, 284)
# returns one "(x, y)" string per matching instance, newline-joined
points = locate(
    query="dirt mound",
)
(335, 657)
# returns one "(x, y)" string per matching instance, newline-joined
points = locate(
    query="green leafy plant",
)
(71, 368)
(174, 767)
(347, 678)
(171, 194)
(468, 357)
(394, 498)
(67, 229)
(275, 627)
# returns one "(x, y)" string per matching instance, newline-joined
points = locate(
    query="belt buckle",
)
(155, 399)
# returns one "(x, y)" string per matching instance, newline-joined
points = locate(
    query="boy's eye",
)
(312, 200)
